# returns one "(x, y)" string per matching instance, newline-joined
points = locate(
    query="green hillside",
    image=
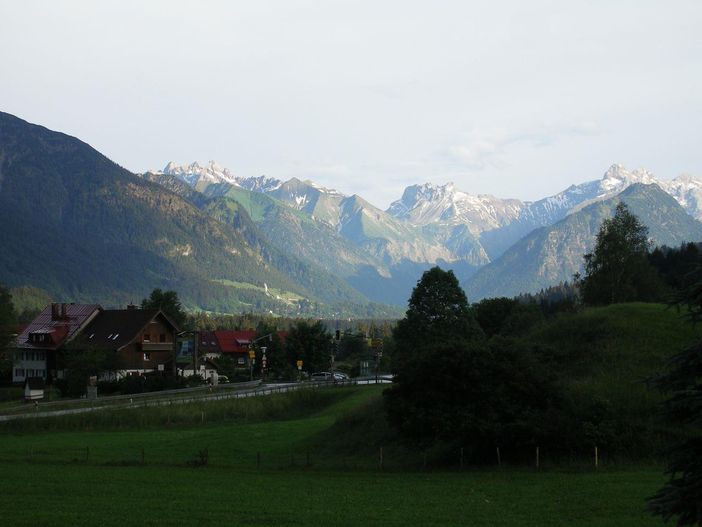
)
(603, 357)
(85, 229)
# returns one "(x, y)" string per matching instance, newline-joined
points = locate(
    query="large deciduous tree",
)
(438, 329)
(617, 270)
(309, 343)
(452, 386)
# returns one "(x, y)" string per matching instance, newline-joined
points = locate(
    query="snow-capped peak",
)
(194, 174)
(430, 203)
(260, 184)
(617, 176)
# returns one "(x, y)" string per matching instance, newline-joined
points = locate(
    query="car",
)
(326, 376)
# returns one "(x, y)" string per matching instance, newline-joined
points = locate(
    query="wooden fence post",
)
(499, 459)
(461, 458)
(381, 458)
(537, 457)
(597, 458)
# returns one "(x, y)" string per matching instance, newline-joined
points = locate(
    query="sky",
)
(511, 98)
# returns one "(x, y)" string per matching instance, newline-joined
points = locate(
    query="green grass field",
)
(312, 457)
(92, 472)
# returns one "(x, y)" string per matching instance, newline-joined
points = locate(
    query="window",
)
(147, 337)
(19, 372)
(147, 356)
(162, 337)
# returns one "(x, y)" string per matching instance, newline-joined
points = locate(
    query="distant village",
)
(144, 342)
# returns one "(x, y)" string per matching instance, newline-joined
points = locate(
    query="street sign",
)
(252, 354)
(299, 365)
(161, 367)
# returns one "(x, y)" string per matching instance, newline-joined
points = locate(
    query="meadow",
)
(275, 461)
(313, 457)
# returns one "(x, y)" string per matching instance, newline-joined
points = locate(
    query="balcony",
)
(156, 346)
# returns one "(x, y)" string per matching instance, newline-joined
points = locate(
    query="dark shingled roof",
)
(116, 328)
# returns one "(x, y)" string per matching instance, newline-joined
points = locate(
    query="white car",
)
(326, 376)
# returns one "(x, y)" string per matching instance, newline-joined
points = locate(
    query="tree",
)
(438, 329)
(682, 495)
(81, 360)
(617, 270)
(8, 318)
(168, 302)
(310, 343)
(455, 387)
(438, 309)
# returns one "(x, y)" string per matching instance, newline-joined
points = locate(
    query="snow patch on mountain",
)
(444, 204)
(196, 175)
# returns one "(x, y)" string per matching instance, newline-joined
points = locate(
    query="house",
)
(208, 345)
(37, 345)
(237, 344)
(144, 340)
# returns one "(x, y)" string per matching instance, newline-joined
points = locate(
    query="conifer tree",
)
(681, 497)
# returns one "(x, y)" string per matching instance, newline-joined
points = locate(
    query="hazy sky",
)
(517, 99)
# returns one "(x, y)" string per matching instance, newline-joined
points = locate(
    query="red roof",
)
(234, 341)
(230, 341)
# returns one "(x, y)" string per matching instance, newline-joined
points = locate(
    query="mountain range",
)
(85, 229)
(477, 235)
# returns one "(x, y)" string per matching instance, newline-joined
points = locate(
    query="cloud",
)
(493, 149)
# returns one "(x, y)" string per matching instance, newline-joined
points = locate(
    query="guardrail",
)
(158, 399)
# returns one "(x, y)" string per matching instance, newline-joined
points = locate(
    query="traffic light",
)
(337, 335)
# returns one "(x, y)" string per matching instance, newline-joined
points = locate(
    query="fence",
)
(234, 458)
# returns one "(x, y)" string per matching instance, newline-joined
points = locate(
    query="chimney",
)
(55, 311)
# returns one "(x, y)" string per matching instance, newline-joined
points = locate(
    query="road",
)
(179, 397)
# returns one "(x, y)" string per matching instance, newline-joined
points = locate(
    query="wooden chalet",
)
(144, 340)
